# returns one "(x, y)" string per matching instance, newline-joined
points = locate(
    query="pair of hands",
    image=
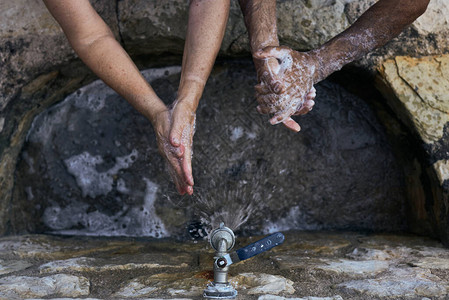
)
(175, 128)
(285, 87)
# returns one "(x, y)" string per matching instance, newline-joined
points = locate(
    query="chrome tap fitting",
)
(222, 240)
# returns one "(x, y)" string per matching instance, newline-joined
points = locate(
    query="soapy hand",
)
(174, 132)
(182, 129)
(285, 88)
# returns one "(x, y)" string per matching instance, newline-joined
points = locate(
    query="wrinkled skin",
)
(178, 157)
(285, 84)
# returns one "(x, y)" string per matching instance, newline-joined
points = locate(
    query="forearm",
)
(95, 44)
(107, 59)
(260, 21)
(205, 31)
(379, 24)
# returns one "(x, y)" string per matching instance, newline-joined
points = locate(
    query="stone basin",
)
(309, 265)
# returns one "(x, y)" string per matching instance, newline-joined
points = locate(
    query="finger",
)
(189, 190)
(305, 108)
(261, 109)
(187, 166)
(282, 116)
(266, 109)
(261, 89)
(312, 94)
(273, 82)
(271, 76)
(292, 125)
(174, 169)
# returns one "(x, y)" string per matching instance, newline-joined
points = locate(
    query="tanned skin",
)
(95, 44)
(286, 88)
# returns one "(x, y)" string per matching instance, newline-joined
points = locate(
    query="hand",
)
(174, 155)
(286, 83)
(182, 129)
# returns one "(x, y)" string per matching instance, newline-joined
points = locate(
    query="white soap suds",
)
(237, 132)
(91, 182)
(251, 135)
(296, 219)
(136, 221)
(92, 96)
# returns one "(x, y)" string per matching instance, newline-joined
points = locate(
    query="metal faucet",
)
(222, 240)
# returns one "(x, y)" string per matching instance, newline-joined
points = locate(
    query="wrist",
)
(190, 92)
(325, 63)
(260, 44)
(150, 106)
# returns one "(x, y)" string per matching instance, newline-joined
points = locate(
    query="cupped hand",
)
(175, 155)
(285, 88)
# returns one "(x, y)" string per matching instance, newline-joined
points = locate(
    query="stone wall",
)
(38, 68)
(417, 90)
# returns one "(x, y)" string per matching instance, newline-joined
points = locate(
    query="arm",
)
(382, 22)
(205, 31)
(95, 44)
(260, 21)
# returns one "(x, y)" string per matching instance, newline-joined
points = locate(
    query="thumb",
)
(176, 130)
(273, 79)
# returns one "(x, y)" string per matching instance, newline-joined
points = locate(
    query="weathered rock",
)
(13, 266)
(432, 263)
(92, 165)
(20, 287)
(420, 93)
(120, 269)
(408, 282)
(176, 284)
(43, 247)
(354, 268)
(273, 297)
(417, 90)
(69, 299)
(84, 264)
(257, 284)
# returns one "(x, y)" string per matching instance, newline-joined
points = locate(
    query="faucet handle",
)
(260, 246)
(251, 250)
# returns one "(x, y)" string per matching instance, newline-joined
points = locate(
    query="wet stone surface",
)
(308, 266)
(91, 165)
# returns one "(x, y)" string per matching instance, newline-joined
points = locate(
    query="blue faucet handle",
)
(260, 246)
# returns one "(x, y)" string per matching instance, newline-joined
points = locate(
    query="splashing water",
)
(233, 205)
